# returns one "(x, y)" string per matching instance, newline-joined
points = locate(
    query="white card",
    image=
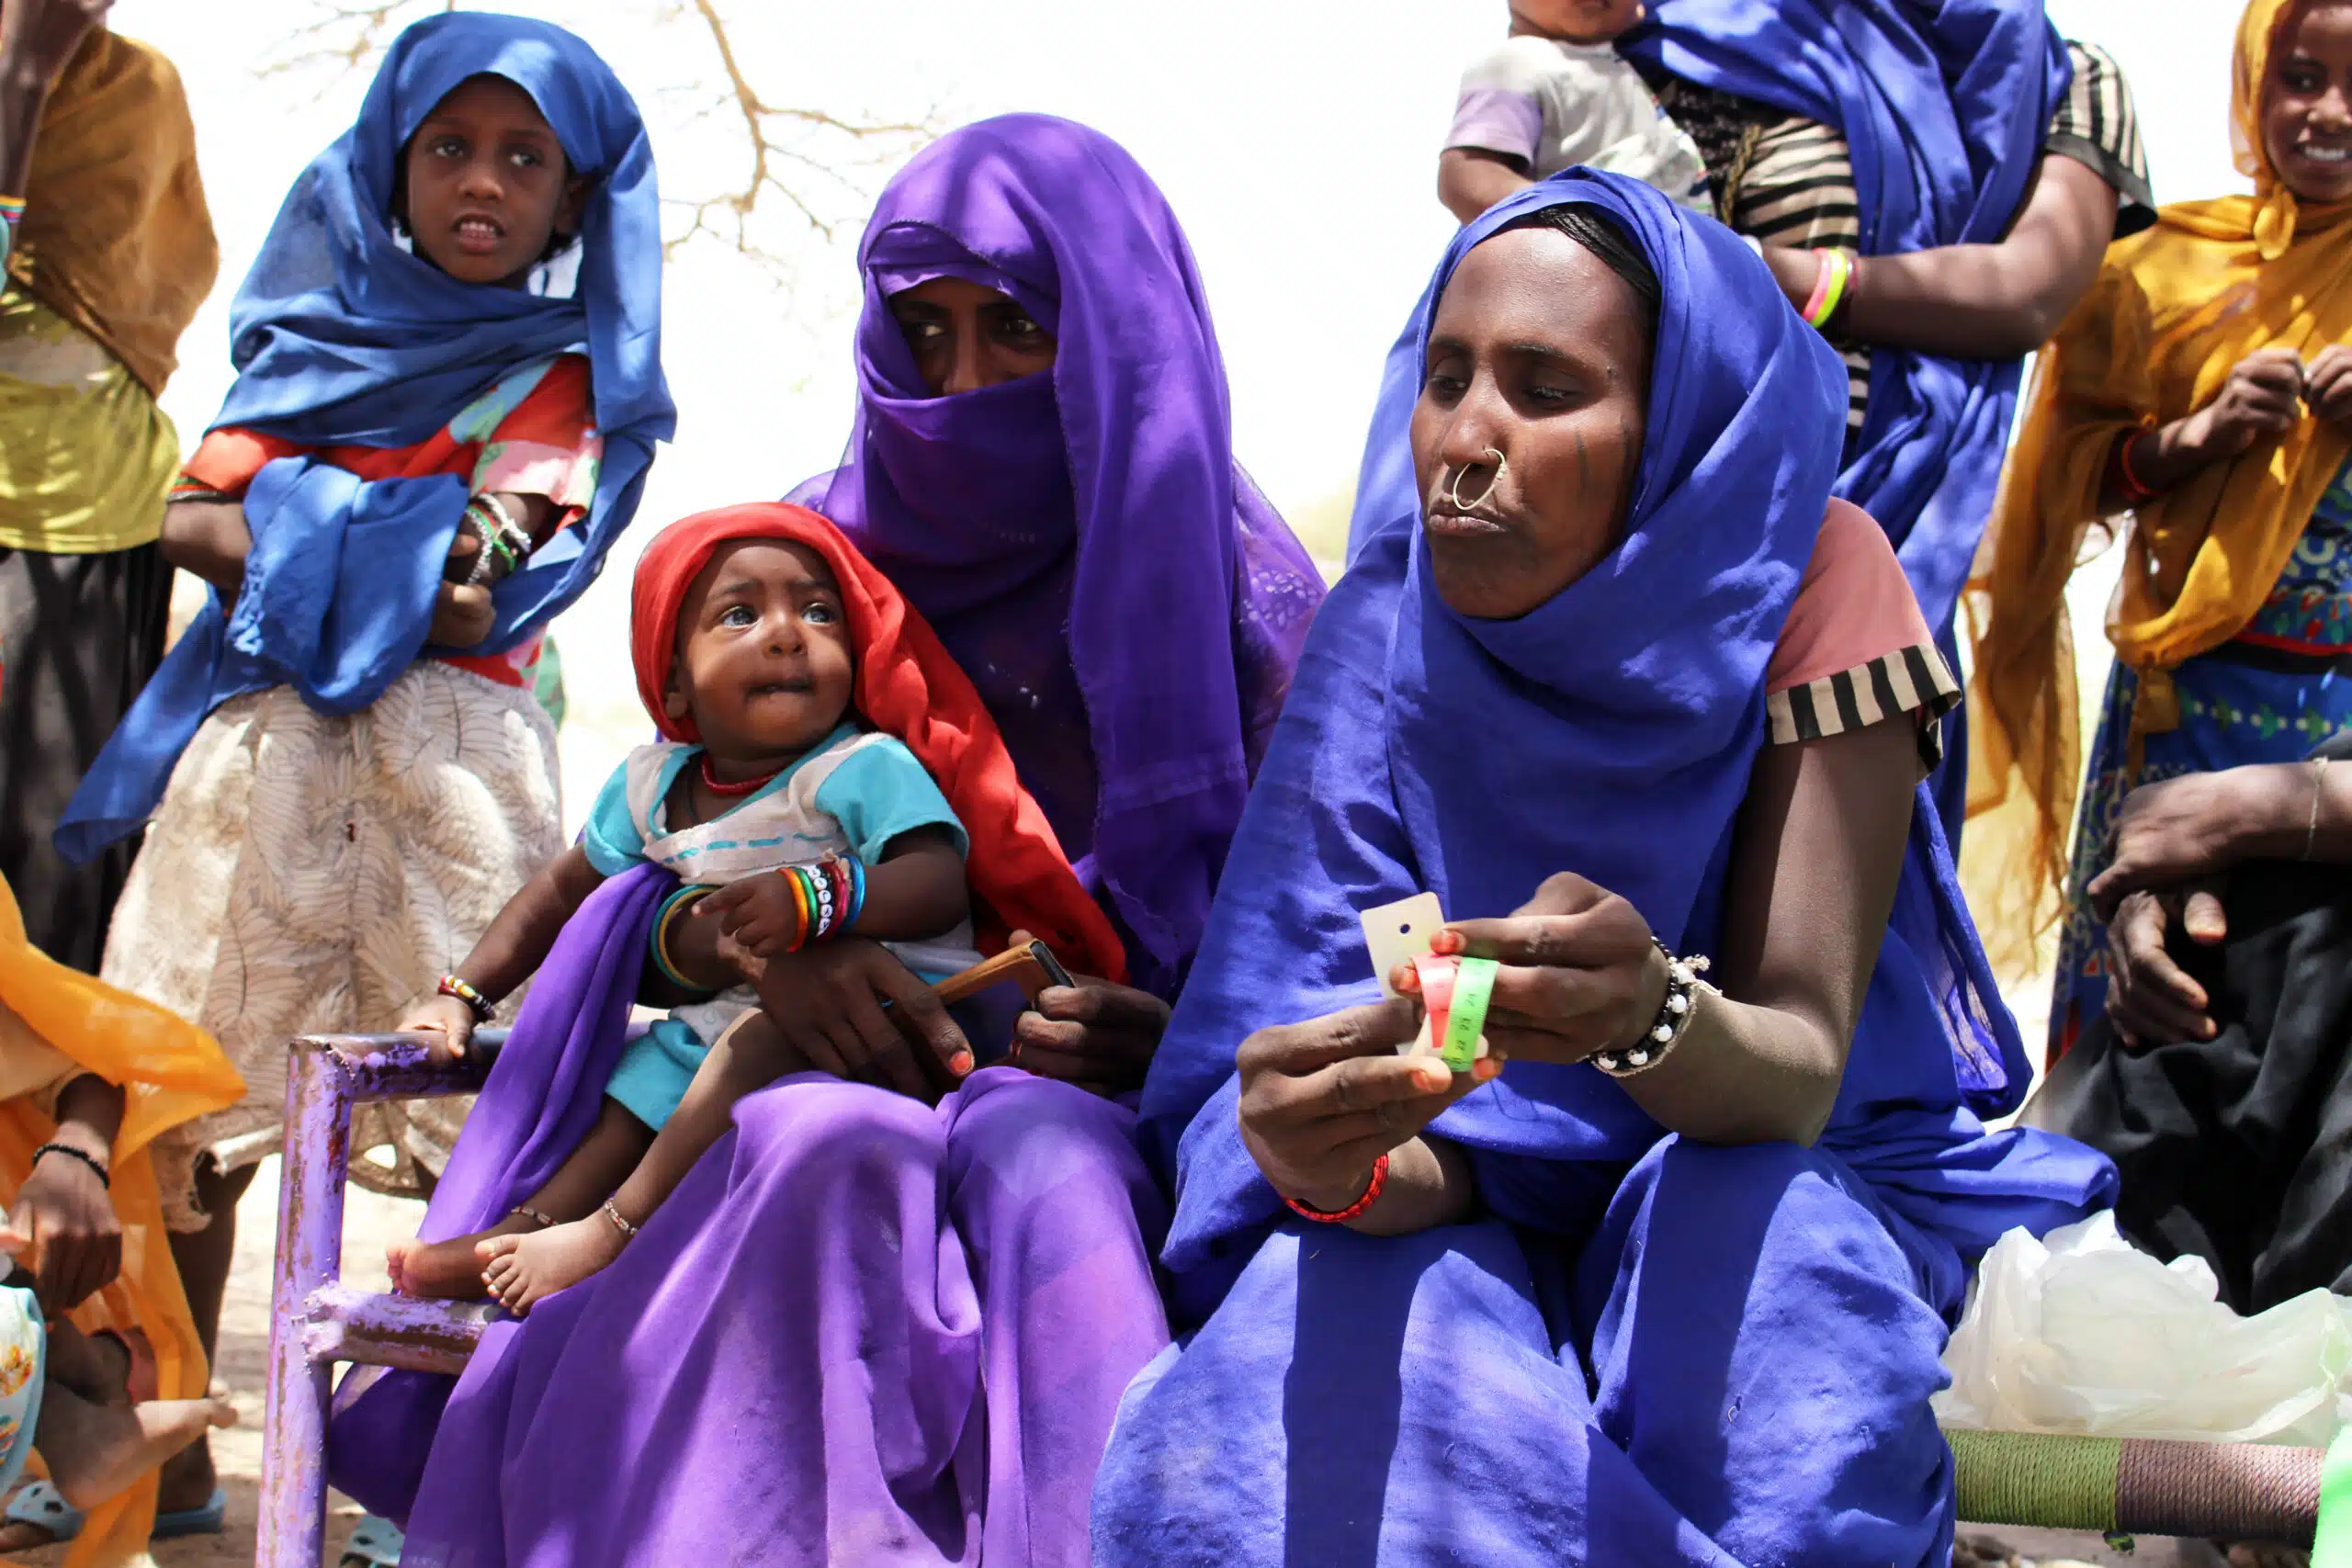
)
(1400, 932)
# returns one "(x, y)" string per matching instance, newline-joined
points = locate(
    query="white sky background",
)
(1299, 153)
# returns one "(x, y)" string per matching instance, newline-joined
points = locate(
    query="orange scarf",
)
(115, 238)
(2173, 312)
(171, 1071)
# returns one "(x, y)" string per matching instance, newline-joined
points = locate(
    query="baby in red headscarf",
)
(789, 681)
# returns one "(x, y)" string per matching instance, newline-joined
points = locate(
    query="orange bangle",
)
(1342, 1216)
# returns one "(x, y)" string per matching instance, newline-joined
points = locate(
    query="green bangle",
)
(1473, 990)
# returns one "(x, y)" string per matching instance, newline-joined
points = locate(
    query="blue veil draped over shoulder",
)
(341, 336)
(1609, 732)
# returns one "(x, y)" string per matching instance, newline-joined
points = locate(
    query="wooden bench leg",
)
(317, 1157)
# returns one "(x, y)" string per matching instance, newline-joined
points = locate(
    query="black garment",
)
(2238, 1149)
(79, 637)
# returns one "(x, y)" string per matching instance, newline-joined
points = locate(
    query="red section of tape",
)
(1436, 990)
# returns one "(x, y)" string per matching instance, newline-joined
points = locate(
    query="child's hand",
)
(463, 617)
(447, 1024)
(758, 914)
(65, 1217)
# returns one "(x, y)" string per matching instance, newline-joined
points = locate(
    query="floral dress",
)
(2270, 694)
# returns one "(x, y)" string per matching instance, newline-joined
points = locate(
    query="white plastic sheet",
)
(2082, 1333)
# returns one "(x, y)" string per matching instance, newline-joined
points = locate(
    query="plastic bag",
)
(2080, 1332)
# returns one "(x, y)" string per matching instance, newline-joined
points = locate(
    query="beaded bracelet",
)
(828, 897)
(70, 1152)
(1342, 1216)
(1682, 989)
(476, 1003)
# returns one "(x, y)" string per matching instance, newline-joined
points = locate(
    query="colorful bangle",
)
(849, 881)
(476, 1003)
(856, 890)
(1342, 1216)
(12, 211)
(800, 903)
(670, 909)
(2132, 487)
(1836, 267)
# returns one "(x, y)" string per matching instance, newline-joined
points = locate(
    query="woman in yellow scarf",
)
(2203, 391)
(89, 1076)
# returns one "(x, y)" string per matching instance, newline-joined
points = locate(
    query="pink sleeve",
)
(1856, 650)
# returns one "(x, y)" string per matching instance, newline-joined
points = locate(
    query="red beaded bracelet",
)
(1342, 1216)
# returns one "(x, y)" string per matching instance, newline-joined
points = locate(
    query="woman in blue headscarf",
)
(448, 391)
(1622, 681)
(1938, 184)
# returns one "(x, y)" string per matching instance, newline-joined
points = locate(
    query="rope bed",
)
(2135, 1487)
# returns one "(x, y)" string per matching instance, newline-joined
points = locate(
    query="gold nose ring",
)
(1455, 491)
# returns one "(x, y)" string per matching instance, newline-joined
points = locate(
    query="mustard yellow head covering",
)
(2174, 309)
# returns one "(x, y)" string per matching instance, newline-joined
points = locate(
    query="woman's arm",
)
(1815, 864)
(1321, 1101)
(38, 40)
(208, 539)
(2190, 828)
(64, 1212)
(2172, 844)
(2263, 396)
(1993, 301)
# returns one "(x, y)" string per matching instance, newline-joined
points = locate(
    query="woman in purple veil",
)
(867, 1328)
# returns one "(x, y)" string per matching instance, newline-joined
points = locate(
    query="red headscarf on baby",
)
(909, 687)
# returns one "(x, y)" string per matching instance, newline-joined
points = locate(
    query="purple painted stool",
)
(315, 1319)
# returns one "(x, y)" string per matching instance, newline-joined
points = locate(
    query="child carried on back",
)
(1554, 94)
(760, 636)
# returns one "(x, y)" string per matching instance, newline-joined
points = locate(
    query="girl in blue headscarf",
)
(1665, 1280)
(448, 391)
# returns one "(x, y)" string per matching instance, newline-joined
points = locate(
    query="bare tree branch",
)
(868, 142)
(807, 164)
(345, 36)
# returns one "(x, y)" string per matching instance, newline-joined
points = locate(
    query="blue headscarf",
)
(343, 337)
(1944, 108)
(1610, 732)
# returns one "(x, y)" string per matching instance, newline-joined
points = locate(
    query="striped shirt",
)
(1789, 181)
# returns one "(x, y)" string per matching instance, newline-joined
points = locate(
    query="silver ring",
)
(1454, 490)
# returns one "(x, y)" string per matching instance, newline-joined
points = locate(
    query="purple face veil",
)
(1128, 604)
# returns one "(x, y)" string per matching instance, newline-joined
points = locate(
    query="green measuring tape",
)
(1473, 990)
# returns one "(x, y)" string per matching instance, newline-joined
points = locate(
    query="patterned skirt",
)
(308, 874)
(2241, 704)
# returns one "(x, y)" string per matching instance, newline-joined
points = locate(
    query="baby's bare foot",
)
(93, 1451)
(520, 1269)
(446, 1270)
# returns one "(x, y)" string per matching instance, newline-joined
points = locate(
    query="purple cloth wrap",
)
(864, 1330)
(1042, 524)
